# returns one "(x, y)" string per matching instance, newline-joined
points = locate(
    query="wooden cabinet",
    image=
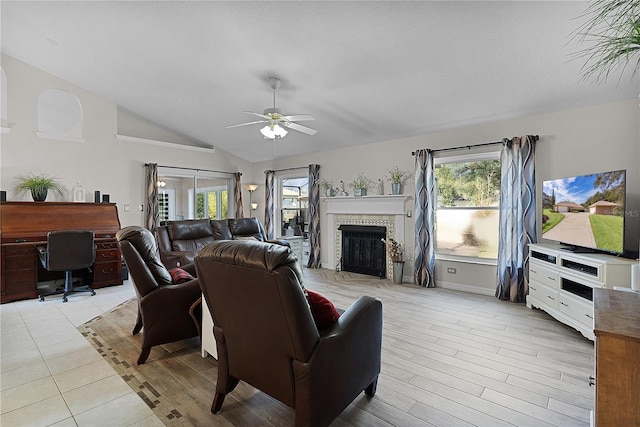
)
(617, 347)
(107, 269)
(562, 282)
(19, 271)
(25, 225)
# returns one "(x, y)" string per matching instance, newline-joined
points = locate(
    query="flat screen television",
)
(586, 212)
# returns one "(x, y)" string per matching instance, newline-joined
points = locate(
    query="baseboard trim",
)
(466, 288)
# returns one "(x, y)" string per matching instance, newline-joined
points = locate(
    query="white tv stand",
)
(561, 282)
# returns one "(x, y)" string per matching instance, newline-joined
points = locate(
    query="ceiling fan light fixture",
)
(273, 131)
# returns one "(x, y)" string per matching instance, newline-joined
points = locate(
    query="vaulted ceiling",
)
(367, 71)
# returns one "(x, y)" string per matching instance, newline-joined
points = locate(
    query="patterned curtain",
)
(152, 212)
(517, 217)
(237, 192)
(314, 216)
(425, 258)
(269, 214)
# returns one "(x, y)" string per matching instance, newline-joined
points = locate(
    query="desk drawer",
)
(11, 251)
(106, 245)
(107, 255)
(21, 262)
(106, 271)
(19, 281)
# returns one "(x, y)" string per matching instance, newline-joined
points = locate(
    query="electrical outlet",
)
(451, 270)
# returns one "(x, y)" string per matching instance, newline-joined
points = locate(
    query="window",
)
(294, 205)
(467, 205)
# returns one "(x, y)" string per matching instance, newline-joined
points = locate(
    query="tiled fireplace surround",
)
(381, 211)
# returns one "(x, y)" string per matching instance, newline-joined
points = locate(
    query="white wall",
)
(101, 162)
(585, 140)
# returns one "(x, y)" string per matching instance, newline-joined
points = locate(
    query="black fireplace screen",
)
(363, 250)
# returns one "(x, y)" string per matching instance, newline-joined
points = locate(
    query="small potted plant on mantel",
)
(327, 187)
(38, 184)
(397, 177)
(361, 184)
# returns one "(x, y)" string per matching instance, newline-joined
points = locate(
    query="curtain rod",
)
(413, 153)
(192, 169)
(286, 169)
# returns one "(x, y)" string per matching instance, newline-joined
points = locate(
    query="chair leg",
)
(218, 399)
(138, 325)
(371, 388)
(144, 354)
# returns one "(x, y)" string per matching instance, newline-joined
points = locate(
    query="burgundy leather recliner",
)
(266, 335)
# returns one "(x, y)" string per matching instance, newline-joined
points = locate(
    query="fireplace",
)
(363, 250)
(386, 211)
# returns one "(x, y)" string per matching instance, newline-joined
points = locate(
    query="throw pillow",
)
(178, 275)
(323, 311)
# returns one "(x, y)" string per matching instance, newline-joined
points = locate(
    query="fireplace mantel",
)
(366, 205)
(366, 210)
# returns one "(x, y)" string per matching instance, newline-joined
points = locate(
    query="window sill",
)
(467, 260)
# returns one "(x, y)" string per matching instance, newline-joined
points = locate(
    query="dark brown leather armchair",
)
(166, 312)
(266, 336)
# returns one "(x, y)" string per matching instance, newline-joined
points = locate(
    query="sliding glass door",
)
(190, 194)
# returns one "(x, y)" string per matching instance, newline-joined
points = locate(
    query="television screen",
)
(585, 212)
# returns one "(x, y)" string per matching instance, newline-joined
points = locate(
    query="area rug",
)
(175, 382)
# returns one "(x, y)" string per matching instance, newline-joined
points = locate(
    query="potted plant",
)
(38, 184)
(397, 177)
(396, 254)
(612, 31)
(327, 186)
(360, 185)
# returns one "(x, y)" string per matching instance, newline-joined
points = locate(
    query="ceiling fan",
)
(276, 122)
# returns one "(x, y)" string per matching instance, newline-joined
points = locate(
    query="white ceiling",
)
(367, 71)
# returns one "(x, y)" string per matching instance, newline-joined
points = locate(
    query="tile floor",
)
(52, 376)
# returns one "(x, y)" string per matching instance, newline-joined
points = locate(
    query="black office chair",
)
(68, 250)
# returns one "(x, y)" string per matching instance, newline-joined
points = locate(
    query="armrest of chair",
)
(42, 254)
(279, 242)
(175, 259)
(170, 303)
(346, 360)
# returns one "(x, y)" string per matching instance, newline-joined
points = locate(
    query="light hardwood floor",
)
(455, 358)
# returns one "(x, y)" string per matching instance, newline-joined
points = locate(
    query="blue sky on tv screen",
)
(576, 189)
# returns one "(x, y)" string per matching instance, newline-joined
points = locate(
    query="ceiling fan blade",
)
(248, 123)
(257, 114)
(299, 118)
(300, 128)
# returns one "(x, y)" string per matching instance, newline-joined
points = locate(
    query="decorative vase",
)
(359, 191)
(78, 192)
(398, 270)
(39, 195)
(329, 192)
(396, 188)
(380, 187)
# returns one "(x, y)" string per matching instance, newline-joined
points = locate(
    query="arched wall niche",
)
(59, 116)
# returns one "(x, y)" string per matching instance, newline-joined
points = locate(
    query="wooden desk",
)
(617, 332)
(24, 225)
